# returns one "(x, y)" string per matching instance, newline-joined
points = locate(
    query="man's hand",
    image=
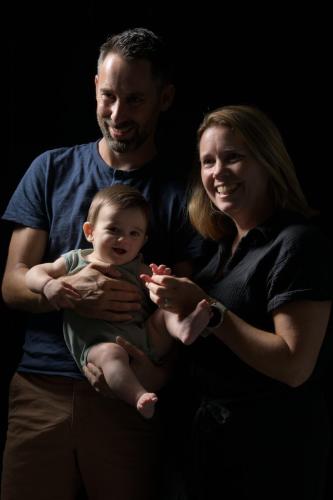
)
(151, 376)
(103, 294)
(60, 294)
(96, 378)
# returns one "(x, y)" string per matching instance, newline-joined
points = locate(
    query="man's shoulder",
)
(58, 161)
(61, 153)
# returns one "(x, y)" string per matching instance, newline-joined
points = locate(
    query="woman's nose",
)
(219, 167)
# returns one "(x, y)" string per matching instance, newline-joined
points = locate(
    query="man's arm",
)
(43, 279)
(26, 249)
(102, 296)
(38, 276)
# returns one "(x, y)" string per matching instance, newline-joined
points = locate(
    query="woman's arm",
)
(291, 354)
(288, 354)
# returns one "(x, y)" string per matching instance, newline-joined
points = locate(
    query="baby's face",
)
(118, 234)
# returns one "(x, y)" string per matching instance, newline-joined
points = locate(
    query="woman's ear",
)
(88, 231)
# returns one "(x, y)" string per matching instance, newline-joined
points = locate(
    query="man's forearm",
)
(17, 295)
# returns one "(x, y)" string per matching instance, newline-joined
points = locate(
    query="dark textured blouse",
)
(285, 259)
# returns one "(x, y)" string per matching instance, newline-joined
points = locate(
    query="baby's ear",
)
(88, 231)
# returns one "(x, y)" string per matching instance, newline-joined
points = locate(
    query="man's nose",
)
(118, 112)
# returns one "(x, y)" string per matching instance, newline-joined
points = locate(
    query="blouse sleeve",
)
(303, 270)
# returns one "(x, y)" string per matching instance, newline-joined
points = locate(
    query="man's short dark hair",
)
(140, 43)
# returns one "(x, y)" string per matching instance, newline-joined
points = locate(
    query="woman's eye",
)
(207, 162)
(234, 158)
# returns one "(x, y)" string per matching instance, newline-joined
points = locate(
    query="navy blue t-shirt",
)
(55, 194)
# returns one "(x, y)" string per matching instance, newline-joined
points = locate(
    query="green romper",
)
(81, 332)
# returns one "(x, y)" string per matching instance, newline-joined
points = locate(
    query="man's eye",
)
(107, 97)
(135, 99)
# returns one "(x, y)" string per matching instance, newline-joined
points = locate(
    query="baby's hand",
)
(159, 289)
(161, 269)
(60, 294)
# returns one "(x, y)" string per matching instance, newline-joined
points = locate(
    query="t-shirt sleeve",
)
(27, 206)
(302, 272)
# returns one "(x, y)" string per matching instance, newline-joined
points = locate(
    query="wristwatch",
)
(218, 311)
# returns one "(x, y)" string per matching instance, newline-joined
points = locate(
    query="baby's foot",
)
(146, 404)
(192, 325)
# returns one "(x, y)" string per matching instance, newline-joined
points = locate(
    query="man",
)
(62, 434)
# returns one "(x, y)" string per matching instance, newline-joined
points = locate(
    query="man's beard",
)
(124, 145)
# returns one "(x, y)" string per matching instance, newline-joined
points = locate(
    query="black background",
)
(270, 57)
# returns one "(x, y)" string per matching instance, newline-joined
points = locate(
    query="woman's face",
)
(234, 181)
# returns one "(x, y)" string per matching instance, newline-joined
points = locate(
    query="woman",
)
(260, 424)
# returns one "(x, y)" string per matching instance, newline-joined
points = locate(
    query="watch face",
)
(216, 318)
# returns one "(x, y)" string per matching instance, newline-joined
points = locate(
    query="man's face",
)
(129, 101)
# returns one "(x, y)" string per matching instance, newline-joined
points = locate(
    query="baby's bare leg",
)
(158, 334)
(114, 362)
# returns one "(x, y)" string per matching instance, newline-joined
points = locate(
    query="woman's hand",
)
(179, 295)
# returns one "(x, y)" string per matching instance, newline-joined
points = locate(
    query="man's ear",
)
(168, 93)
(96, 85)
(88, 231)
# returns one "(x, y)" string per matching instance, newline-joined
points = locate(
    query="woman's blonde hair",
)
(265, 143)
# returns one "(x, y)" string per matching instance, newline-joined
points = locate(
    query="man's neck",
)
(126, 161)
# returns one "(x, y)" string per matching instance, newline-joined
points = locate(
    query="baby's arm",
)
(43, 279)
